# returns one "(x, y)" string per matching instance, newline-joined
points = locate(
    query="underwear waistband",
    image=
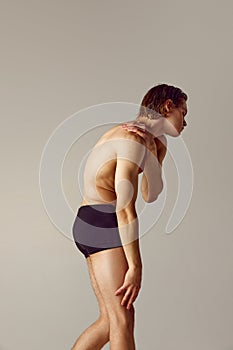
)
(99, 215)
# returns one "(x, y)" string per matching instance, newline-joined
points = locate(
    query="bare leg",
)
(109, 267)
(97, 335)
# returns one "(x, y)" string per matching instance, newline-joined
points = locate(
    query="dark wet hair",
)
(154, 100)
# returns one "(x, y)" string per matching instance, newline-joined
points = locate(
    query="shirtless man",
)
(112, 248)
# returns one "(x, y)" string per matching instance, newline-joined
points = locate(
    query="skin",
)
(111, 176)
(175, 117)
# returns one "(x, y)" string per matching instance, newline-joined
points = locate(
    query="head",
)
(168, 101)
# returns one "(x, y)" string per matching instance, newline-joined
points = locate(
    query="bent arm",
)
(152, 183)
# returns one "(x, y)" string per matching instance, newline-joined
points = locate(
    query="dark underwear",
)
(96, 228)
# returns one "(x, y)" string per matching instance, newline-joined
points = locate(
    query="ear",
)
(168, 105)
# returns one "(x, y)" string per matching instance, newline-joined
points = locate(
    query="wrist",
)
(137, 266)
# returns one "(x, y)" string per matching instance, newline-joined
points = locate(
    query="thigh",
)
(103, 311)
(109, 268)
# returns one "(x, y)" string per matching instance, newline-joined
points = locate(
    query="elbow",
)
(125, 211)
(151, 197)
(125, 216)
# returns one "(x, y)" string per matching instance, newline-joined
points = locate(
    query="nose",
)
(185, 123)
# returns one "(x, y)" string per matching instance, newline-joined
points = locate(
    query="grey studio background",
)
(58, 57)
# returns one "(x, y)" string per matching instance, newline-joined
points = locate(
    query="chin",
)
(174, 133)
(171, 130)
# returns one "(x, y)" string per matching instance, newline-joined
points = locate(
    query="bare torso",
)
(99, 172)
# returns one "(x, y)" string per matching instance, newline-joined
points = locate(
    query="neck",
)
(154, 126)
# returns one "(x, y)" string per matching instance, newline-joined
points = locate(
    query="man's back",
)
(99, 172)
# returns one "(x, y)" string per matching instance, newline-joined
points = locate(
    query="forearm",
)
(161, 143)
(129, 233)
(152, 183)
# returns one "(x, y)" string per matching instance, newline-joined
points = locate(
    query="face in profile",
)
(175, 117)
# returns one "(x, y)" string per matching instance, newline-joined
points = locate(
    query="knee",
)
(131, 312)
(104, 322)
(131, 315)
(123, 318)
